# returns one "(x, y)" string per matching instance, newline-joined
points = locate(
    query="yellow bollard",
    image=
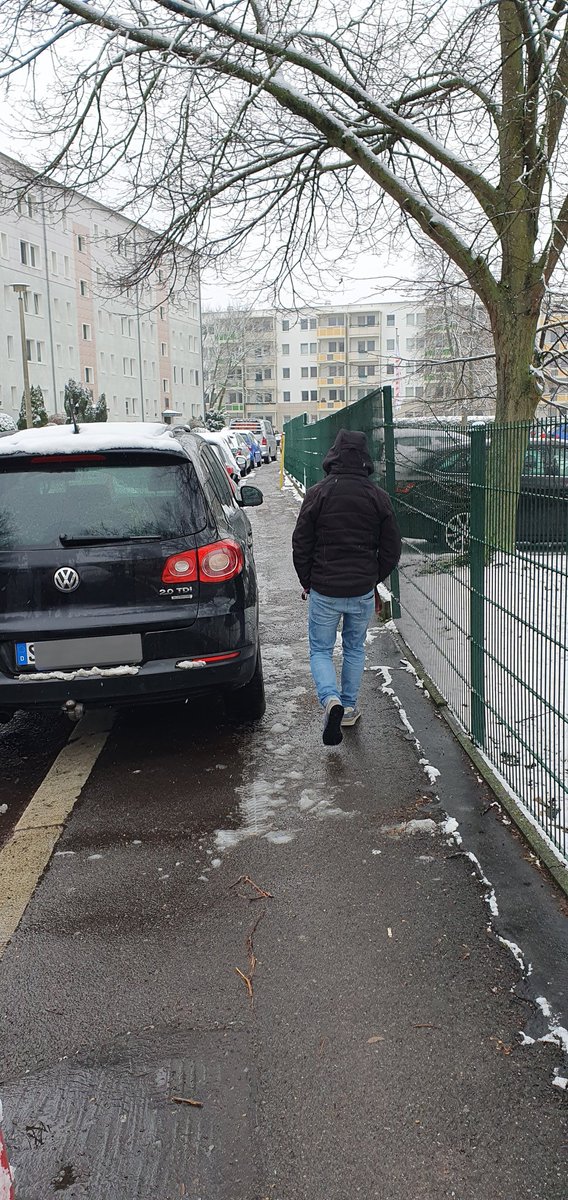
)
(282, 440)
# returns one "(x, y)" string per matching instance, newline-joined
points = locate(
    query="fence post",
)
(390, 485)
(477, 582)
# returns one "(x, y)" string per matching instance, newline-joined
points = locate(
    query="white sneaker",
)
(350, 716)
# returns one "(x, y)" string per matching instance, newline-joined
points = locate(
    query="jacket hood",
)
(349, 452)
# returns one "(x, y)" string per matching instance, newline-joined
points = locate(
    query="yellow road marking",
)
(25, 856)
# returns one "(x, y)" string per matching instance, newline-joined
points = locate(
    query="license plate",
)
(61, 654)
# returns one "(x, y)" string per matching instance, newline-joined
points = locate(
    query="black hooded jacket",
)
(346, 538)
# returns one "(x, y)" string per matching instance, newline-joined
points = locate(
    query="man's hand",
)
(305, 593)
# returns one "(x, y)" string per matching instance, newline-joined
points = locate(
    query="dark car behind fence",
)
(481, 594)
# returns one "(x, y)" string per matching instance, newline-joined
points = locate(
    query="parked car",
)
(263, 432)
(239, 449)
(434, 498)
(223, 452)
(255, 451)
(126, 571)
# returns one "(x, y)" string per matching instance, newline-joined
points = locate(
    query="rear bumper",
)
(154, 681)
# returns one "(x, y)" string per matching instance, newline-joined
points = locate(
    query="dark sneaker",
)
(332, 735)
(350, 716)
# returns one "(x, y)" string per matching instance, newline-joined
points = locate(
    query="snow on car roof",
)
(92, 437)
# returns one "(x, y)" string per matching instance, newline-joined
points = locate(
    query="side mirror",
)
(249, 497)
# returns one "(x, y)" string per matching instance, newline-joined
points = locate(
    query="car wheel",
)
(457, 533)
(248, 703)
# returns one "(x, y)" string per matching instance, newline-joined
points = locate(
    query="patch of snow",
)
(187, 664)
(92, 857)
(3, 809)
(407, 666)
(215, 862)
(559, 1081)
(376, 852)
(278, 837)
(432, 772)
(80, 673)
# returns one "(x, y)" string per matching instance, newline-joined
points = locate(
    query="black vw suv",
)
(126, 571)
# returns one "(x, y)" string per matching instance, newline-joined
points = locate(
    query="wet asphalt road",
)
(380, 1053)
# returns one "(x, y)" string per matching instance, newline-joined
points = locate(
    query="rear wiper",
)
(102, 540)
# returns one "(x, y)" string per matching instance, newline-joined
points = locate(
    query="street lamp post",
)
(20, 289)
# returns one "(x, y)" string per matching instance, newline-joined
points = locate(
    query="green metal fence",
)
(483, 580)
(307, 444)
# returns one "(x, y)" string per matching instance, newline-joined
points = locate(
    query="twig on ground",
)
(247, 879)
(184, 1100)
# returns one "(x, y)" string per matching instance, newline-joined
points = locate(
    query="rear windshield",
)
(51, 504)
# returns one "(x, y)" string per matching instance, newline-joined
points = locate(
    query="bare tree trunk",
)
(517, 397)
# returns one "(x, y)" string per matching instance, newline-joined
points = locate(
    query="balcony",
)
(330, 331)
(334, 357)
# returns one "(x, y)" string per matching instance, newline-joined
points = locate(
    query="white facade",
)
(323, 358)
(139, 346)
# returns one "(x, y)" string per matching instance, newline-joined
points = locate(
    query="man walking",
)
(346, 541)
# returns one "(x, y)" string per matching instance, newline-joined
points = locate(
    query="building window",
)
(83, 287)
(286, 397)
(285, 326)
(164, 349)
(305, 396)
(390, 368)
(304, 372)
(66, 266)
(335, 319)
(304, 324)
(285, 372)
(165, 385)
(10, 346)
(285, 347)
(40, 351)
(37, 304)
(4, 245)
(410, 319)
(390, 318)
(29, 254)
(390, 344)
(86, 332)
(29, 350)
(54, 270)
(162, 311)
(313, 323)
(81, 243)
(303, 347)
(88, 374)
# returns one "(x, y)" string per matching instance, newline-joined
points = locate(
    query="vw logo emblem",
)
(66, 579)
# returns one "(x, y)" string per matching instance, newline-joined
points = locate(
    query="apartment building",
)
(70, 258)
(279, 364)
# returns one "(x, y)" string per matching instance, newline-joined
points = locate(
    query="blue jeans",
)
(324, 615)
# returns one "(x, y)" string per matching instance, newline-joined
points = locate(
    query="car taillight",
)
(229, 470)
(263, 441)
(180, 568)
(219, 562)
